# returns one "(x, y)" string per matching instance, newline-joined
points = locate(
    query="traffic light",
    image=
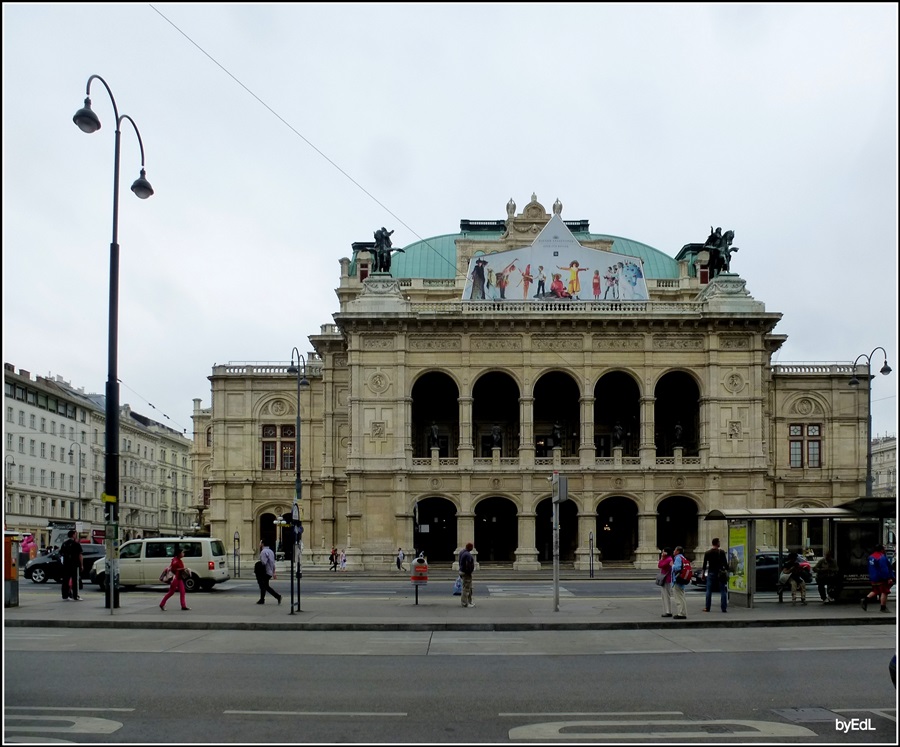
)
(560, 490)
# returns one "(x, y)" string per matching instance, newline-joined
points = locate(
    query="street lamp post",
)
(296, 520)
(88, 122)
(885, 370)
(71, 451)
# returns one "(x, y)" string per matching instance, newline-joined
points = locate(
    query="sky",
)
(275, 136)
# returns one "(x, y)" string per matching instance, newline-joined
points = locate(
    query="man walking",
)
(715, 571)
(466, 569)
(678, 584)
(72, 565)
(400, 556)
(265, 571)
(881, 576)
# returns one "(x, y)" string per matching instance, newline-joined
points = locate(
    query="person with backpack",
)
(881, 576)
(466, 569)
(681, 577)
(715, 571)
(72, 565)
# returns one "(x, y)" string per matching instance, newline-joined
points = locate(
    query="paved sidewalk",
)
(502, 610)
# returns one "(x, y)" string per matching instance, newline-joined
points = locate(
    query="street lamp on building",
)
(885, 370)
(72, 451)
(296, 516)
(88, 122)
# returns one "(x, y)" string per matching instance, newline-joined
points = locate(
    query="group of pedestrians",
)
(795, 573)
(337, 557)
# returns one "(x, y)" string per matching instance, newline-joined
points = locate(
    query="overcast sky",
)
(277, 135)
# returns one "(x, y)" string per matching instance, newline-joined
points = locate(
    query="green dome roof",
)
(436, 257)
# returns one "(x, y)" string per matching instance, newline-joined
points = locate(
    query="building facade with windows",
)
(448, 389)
(55, 436)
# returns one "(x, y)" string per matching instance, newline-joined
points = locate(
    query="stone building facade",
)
(447, 391)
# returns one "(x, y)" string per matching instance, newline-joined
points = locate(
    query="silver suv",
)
(142, 561)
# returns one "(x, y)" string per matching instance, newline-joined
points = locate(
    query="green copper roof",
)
(436, 257)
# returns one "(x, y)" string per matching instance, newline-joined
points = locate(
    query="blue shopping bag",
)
(457, 587)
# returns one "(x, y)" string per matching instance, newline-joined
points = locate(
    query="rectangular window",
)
(52, 479)
(43, 425)
(268, 455)
(22, 417)
(21, 444)
(52, 451)
(287, 455)
(43, 450)
(805, 445)
(32, 445)
(9, 414)
(43, 478)
(32, 422)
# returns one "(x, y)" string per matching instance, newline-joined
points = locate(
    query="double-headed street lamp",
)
(296, 519)
(72, 451)
(88, 121)
(885, 370)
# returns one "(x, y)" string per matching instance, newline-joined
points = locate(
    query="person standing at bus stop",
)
(715, 571)
(881, 576)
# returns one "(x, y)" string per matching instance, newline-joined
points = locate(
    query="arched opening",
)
(495, 401)
(568, 531)
(435, 415)
(556, 414)
(676, 415)
(676, 524)
(496, 530)
(617, 402)
(617, 528)
(434, 530)
(267, 531)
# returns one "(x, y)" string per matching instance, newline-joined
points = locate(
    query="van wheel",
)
(191, 584)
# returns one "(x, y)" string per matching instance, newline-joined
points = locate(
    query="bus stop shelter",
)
(850, 534)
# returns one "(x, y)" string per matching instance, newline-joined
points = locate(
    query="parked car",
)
(141, 562)
(892, 668)
(768, 569)
(49, 567)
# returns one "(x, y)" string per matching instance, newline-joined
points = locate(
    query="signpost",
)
(560, 493)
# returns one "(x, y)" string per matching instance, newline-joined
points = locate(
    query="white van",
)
(142, 561)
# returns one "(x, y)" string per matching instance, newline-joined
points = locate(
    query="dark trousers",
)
(262, 581)
(69, 581)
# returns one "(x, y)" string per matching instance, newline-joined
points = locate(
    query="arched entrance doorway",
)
(434, 531)
(568, 531)
(267, 531)
(496, 530)
(676, 524)
(617, 528)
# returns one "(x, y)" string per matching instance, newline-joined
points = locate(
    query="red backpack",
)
(686, 573)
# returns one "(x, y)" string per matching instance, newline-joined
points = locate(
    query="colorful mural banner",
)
(737, 556)
(555, 267)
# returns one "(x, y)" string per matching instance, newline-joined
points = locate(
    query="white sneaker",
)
(471, 604)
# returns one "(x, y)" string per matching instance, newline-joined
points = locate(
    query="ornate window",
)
(278, 441)
(805, 445)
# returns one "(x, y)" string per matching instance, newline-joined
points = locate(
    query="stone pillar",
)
(586, 451)
(465, 532)
(587, 523)
(465, 449)
(526, 552)
(648, 429)
(435, 457)
(495, 456)
(526, 431)
(647, 554)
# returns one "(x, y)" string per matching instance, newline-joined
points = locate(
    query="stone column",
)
(647, 554)
(526, 431)
(526, 552)
(648, 428)
(465, 449)
(586, 451)
(587, 523)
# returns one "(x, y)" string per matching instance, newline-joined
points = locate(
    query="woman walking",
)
(177, 582)
(665, 590)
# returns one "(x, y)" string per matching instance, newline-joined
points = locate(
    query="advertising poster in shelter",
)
(737, 556)
(555, 267)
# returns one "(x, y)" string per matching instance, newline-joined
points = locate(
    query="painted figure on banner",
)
(527, 278)
(574, 282)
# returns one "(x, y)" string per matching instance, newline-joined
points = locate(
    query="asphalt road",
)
(715, 686)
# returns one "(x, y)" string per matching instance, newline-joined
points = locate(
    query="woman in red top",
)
(177, 584)
(665, 566)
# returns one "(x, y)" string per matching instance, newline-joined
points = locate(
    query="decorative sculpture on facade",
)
(720, 251)
(383, 250)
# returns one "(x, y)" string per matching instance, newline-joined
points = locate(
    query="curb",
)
(438, 626)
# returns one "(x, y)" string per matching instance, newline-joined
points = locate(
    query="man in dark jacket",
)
(466, 569)
(72, 565)
(715, 571)
(881, 576)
